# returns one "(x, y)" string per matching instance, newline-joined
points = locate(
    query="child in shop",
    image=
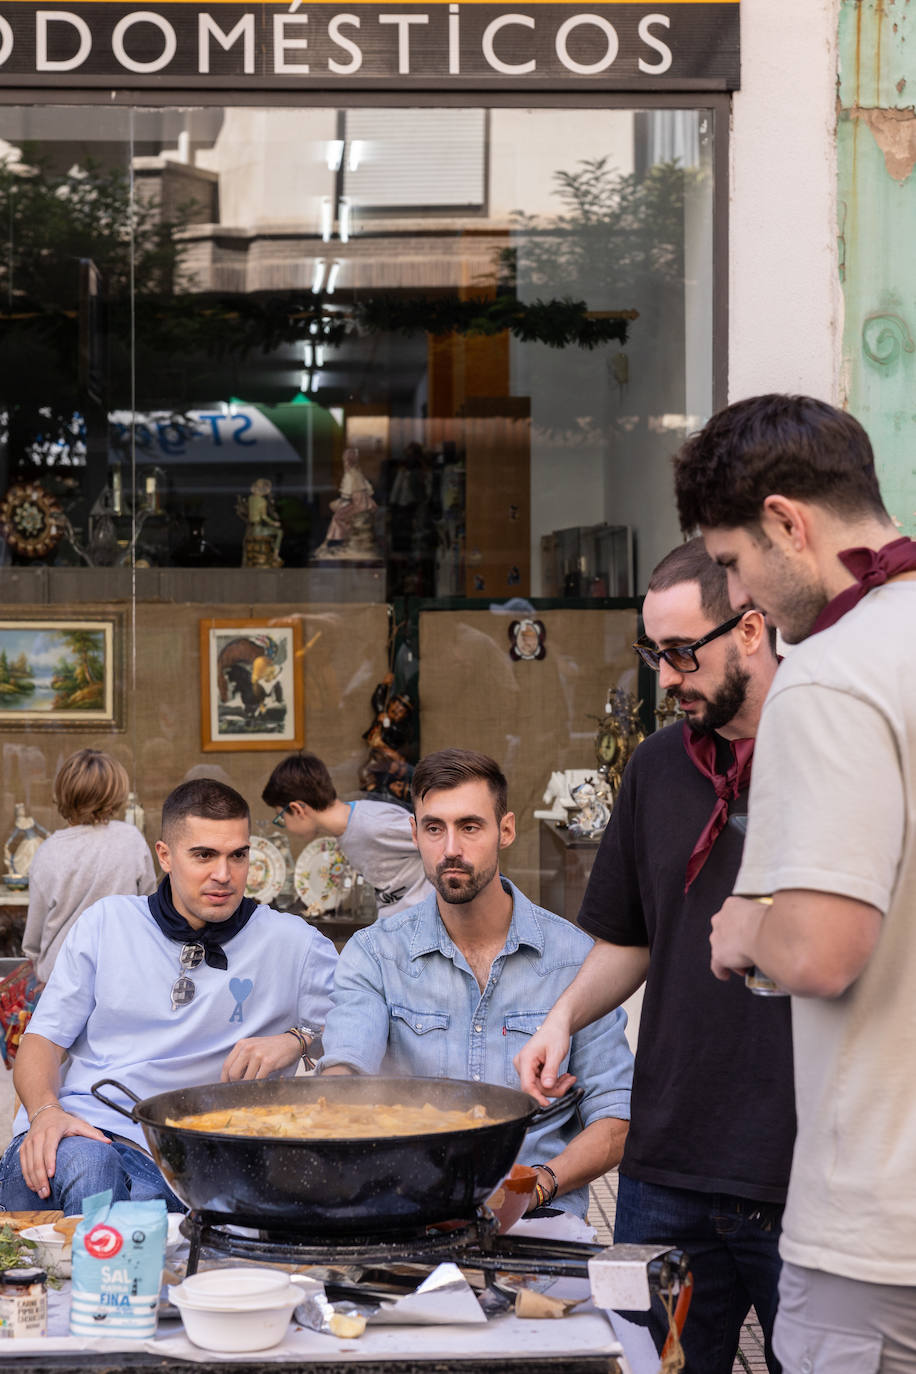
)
(94, 856)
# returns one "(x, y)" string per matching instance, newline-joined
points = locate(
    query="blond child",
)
(94, 856)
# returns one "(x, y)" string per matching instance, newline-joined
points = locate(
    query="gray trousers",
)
(827, 1324)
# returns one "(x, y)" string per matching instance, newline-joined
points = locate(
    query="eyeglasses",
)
(278, 818)
(184, 988)
(683, 657)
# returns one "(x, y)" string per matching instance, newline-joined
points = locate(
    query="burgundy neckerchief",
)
(870, 567)
(701, 750)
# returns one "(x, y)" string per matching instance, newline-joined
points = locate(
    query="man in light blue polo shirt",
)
(195, 983)
(452, 987)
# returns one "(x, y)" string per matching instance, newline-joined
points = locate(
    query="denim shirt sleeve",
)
(602, 1061)
(356, 1030)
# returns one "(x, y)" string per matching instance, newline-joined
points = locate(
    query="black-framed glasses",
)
(683, 657)
(190, 956)
(280, 818)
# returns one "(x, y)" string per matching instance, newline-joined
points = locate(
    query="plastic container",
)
(236, 1309)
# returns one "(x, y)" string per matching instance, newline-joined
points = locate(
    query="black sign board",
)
(330, 44)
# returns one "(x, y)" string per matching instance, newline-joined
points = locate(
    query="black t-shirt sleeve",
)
(612, 907)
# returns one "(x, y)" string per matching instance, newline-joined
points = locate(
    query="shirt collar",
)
(431, 935)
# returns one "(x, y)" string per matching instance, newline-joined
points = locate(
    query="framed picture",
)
(251, 684)
(62, 674)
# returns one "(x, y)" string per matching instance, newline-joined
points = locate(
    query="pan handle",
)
(115, 1106)
(559, 1105)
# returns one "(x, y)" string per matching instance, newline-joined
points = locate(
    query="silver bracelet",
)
(40, 1110)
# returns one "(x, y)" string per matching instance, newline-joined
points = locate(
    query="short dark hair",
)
(451, 768)
(793, 446)
(300, 777)
(204, 797)
(691, 563)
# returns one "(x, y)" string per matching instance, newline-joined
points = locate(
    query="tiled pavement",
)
(601, 1214)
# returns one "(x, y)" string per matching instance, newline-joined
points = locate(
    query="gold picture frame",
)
(252, 693)
(62, 672)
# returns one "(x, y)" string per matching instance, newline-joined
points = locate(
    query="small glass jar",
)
(23, 1303)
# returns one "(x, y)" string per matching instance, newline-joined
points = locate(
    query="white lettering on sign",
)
(648, 37)
(403, 22)
(263, 45)
(43, 63)
(208, 28)
(144, 17)
(356, 53)
(490, 32)
(282, 44)
(587, 68)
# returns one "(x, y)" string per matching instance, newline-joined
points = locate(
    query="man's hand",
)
(538, 1064)
(38, 1151)
(733, 936)
(260, 1056)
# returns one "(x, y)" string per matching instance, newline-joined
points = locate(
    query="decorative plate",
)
(267, 871)
(31, 520)
(321, 875)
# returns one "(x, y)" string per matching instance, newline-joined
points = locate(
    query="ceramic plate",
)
(267, 872)
(321, 876)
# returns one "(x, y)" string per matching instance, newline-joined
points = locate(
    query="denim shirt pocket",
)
(518, 1027)
(418, 1042)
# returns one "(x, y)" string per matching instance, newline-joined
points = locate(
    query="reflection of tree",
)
(53, 222)
(618, 238)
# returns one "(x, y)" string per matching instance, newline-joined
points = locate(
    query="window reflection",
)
(454, 348)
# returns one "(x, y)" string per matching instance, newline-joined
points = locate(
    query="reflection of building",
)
(708, 213)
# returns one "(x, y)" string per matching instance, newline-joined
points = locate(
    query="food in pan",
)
(323, 1120)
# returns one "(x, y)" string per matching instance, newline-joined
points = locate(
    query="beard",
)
(726, 702)
(458, 890)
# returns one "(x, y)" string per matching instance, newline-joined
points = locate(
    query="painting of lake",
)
(57, 672)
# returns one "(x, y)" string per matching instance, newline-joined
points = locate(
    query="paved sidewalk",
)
(601, 1212)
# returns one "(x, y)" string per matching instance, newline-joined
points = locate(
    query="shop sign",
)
(303, 45)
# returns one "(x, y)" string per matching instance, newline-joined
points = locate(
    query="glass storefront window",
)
(310, 368)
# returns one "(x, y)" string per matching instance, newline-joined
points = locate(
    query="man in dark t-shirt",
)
(707, 1159)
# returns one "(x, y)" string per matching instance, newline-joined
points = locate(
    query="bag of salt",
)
(118, 1257)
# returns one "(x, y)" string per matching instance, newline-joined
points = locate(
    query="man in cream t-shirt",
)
(785, 493)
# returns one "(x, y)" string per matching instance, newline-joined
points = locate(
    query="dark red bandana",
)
(701, 750)
(870, 567)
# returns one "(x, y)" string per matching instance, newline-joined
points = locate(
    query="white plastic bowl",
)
(261, 1321)
(52, 1252)
(238, 1286)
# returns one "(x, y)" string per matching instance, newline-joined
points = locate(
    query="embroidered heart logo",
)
(240, 988)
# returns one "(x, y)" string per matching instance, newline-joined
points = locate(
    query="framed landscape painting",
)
(251, 684)
(61, 673)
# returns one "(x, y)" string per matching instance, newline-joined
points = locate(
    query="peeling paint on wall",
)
(894, 131)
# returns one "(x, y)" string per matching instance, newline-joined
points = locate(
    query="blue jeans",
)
(85, 1167)
(734, 1258)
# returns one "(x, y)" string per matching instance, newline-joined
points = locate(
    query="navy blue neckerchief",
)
(212, 936)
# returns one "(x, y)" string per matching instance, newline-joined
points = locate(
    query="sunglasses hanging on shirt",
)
(184, 988)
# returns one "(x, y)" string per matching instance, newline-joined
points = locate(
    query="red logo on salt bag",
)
(103, 1242)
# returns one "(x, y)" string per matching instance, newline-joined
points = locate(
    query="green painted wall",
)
(876, 135)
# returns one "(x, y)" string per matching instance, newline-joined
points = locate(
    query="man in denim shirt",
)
(453, 987)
